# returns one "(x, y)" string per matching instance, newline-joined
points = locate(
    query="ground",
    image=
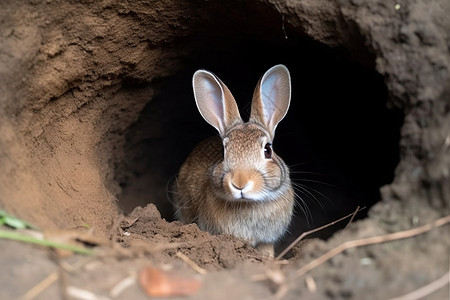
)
(223, 266)
(93, 96)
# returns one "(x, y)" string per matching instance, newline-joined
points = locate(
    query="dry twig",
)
(352, 218)
(83, 294)
(306, 233)
(311, 284)
(122, 285)
(276, 278)
(427, 289)
(52, 277)
(41, 286)
(191, 263)
(370, 241)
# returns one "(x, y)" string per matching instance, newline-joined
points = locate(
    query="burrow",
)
(339, 138)
(107, 115)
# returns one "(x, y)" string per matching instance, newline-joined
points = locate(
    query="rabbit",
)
(235, 183)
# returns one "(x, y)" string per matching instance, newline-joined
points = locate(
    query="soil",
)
(97, 115)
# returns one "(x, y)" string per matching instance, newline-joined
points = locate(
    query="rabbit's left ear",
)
(271, 98)
(215, 101)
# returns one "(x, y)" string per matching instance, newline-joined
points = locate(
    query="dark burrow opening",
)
(339, 139)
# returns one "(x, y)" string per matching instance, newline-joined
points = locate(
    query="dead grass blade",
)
(191, 263)
(352, 217)
(122, 285)
(370, 241)
(79, 293)
(28, 239)
(306, 233)
(41, 286)
(427, 289)
(52, 277)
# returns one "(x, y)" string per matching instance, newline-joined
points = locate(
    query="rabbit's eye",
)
(268, 150)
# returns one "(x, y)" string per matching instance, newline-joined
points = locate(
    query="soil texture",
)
(97, 115)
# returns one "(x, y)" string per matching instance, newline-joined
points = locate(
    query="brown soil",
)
(97, 115)
(209, 252)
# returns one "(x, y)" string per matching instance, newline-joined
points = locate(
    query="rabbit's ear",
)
(215, 101)
(271, 98)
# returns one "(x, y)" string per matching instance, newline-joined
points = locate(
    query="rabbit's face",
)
(250, 170)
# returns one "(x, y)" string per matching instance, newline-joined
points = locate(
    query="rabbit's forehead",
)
(246, 137)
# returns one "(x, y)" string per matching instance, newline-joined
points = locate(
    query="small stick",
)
(427, 289)
(353, 217)
(79, 293)
(302, 236)
(122, 285)
(62, 276)
(41, 286)
(311, 284)
(51, 278)
(190, 263)
(370, 241)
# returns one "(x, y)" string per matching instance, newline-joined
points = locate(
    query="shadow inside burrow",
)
(339, 139)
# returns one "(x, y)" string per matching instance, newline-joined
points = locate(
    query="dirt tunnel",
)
(138, 106)
(98, 112)
(339, 137)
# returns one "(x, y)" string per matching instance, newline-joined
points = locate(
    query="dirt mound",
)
(209, 252)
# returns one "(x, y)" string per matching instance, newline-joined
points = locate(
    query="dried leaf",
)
(158, 283)
(127, 222)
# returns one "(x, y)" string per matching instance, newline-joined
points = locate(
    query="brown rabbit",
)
(236, 184)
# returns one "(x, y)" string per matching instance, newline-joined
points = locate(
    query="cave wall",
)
(410, 43)
(75, 76)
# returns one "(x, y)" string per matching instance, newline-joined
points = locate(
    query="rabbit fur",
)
(234, 183)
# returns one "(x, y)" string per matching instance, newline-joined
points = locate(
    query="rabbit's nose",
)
(239, 187)
(239, 180)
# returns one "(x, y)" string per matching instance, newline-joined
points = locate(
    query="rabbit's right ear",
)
(215, 101)
(272, 98)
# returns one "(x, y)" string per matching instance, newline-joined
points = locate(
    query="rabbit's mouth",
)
(243, 185)
(260, 196)
(240, 193)
(245, 194)
(248, 197)
(239, 196)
